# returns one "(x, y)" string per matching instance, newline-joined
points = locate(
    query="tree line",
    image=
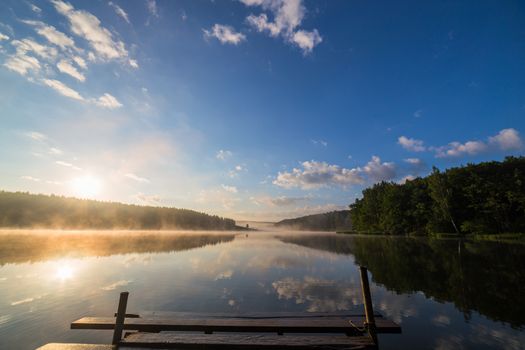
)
(486, 198)
(331, 221)
(25, 210)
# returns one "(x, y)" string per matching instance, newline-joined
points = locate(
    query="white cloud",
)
(67, 165)
(119, 11)
(223, 154)
(80, 62)
(53, 35)
(411, 144)
(280, 201)
(35, 8)
(225, 34)
(231, 189)
(87, 26)
(406, 178)
(456, 149)
(55, 151)
(67, 68)
(307, 40)
(507, 139)
(378, 171)
(108, 101)
(3, 37)
(36, 136)
(236, 171)
(63, 89)
(152, 8)
(133, 63)
(320, 142)
(30, 178)
(418, 113)
(315, 175)
(27, 45)
(288, 16)
(318, 174)
(22, 64)
(414, 161)
(136, 178)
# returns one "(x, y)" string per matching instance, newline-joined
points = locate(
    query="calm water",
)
(445, 294)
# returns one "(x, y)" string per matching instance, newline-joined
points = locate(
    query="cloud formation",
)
(108, 101)
(136, 178)
(223, 154)
(67, 68)
(378, 171)
(504, 140)
(280, 201)
(119, 11)
(411, 144)
(225, 34)
(87, 26)
(287, 17)
(318, 174)
(315, 175)
(53, 35)
(231, 189)
(63, 89)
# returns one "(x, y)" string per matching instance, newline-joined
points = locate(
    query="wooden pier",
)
(255, 331)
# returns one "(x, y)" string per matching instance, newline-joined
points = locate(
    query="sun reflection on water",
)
(64, 272)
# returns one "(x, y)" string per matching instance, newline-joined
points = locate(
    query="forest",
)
(331, 221)
(25, 210)
(484, 198)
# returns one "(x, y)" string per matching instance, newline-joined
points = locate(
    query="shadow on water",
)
(28, 246)
(485, 277)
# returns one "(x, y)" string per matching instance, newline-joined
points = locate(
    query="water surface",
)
(445, 294)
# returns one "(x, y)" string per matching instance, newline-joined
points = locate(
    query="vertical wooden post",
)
(367, 301)
(121, 315)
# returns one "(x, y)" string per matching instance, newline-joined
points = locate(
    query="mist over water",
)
(49, 279)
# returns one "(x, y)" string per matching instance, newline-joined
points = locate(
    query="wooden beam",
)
(272, 325)
(72, 346)
(244, 341)
(121, 315)
(367, 301)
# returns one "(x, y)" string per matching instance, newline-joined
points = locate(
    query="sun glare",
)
(64, 273)
(86, 186)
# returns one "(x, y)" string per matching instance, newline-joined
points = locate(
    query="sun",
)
(86, 186)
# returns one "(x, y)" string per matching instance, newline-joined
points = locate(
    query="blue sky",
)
(253, 109)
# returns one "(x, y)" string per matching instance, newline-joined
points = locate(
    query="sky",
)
(253, 109)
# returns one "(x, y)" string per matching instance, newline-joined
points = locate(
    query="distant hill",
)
(25, 210)
(332, 221)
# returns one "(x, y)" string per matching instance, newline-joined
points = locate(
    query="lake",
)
(446, 294)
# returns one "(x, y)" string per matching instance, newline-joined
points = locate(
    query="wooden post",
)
(370, 322)
(121, 315)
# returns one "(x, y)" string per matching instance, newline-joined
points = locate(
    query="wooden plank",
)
(275, 325)
(60, 346)
(244, 341)
(281, 314)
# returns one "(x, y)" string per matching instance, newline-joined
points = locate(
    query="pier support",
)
(121, 315)
(367, 301)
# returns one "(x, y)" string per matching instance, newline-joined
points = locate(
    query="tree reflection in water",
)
(486, 277)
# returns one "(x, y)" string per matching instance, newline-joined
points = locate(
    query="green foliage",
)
(332, 221)
(483, 198)
(24, 210)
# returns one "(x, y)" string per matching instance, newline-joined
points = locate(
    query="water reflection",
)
(40, 297)
(486, 277)
(30, 246)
